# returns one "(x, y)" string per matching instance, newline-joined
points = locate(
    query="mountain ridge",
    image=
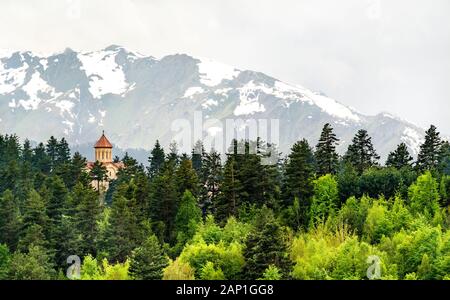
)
(136, 98)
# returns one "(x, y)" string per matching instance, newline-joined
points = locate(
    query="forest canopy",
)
(202, 215)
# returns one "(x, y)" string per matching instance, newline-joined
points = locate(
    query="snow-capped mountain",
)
(135, 98)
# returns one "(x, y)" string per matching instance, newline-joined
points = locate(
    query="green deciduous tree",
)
(424, 195)
(326, 198)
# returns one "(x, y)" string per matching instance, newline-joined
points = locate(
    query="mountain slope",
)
(136, 98)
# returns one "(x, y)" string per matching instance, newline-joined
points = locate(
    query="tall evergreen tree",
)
(51, 149)
(227, 202)
(10, 221)
(326, 157)
(298, 178)
(430, 150)
(264, 247)
(399, 158)
(211, 177)
(122, 232)
(156, 160)
(41, 161)
(164, 201)
(35, 212)
(148, 261)
(361, 153)
(186, 177)
(86, 217)
(198, 152)
(98, 173)
(445, 158)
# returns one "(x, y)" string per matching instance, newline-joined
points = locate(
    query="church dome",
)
(103, 142)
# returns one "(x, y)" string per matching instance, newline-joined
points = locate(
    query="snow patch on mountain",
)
(328, 105)
(249, 100)
(65, 106)
(12, 78)
(208, 103)
(34, 88)
(190, 92)
(412, 139)
(105, 75)
(212, 73)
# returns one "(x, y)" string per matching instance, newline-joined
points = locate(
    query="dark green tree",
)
(186, 177)
(227, 202)
(198, 152)
(122, 232)
(148, 261)
(361, 153)
(86, 217)
(98, 173)
(430, 151)
(298, 178)
(10, 221)
(399, 158)
(265, 246)
(164, 201)
(156, 160)
(327, 159)
(211, 177)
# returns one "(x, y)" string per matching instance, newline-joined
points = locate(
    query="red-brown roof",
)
(103, 142)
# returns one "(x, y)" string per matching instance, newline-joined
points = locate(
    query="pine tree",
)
(34, 265)
(148, 261)
(77, 171)
(62, 152)
(399, 158)
(86, 217)
(186, 177)
(51, 149)
(35, 212)
(430, 150)
(156, 160)
(298, 178)
(210, 180)
(228, 201)
(41, 161)
(173, 156)
(264, 247)
(198, 152)
(164, 200)
(122, 232)
(10, 222)
(60, 232)
(326, 157)
(445, 158)
(98, 173)
(361, 153)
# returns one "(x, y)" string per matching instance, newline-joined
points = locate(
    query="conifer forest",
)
(313, 215)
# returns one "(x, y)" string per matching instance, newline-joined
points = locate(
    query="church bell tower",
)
(103, 150)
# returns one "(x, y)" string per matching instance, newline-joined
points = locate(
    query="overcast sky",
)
(372, 55)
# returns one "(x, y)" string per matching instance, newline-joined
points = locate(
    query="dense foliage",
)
(313, 215)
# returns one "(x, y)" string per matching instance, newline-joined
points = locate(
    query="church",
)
(103, 154)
